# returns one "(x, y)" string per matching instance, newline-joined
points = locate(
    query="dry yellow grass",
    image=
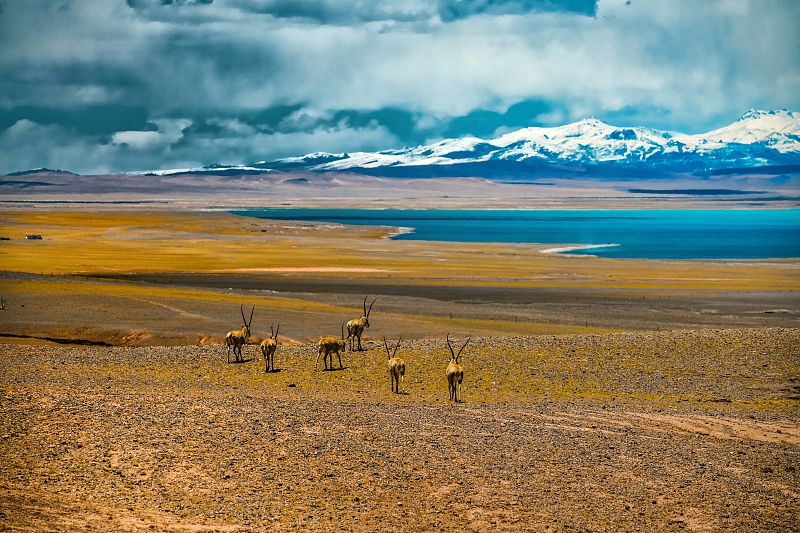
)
(208, 241)
(199, 266)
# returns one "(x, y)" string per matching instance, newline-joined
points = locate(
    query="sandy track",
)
(552, 437)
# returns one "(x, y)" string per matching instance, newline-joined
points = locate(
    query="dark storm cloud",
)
(355, 11)
(91, 120)
(269, 119)
(296, 119)
(484, 123)
(211, 73)
(57, 85)
(399, 122)
(339, 11)
(450, 10)
(175, 11)
(149, 4)
(336, 12)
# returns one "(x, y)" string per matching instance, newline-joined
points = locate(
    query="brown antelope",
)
(268, 347)
(238, 337)
(356, 326)
(328, 346)
(397, 367)
(455, 373)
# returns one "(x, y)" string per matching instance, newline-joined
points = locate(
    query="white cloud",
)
(672, 64)
(28, 145)
(169, 132)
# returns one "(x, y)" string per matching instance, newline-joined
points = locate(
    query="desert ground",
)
(599, 395)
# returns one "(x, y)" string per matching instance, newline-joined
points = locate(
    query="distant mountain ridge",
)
(40, 171)
(589, 147)
(759, 138)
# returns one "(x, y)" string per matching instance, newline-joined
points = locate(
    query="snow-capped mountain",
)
(759, 138)
(777, 129)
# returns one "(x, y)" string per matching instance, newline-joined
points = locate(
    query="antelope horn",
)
(462, 348)
(396, 347)
(370, 305)
(272, 330)
(452, 353)
(241, 310)
(387, 348)
(365, 305)
(276, 331)
(251, 316)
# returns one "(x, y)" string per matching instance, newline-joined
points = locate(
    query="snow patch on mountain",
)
(757, 139)
(777, 129)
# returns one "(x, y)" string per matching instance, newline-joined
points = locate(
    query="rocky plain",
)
(646, 431)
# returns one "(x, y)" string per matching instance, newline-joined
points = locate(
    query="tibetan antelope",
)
(356, 326)
(397, 367)
(329, 346)
(237, 338)
(268, 347)
(455, 373)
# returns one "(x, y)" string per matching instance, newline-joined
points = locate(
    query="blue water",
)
(667, 234)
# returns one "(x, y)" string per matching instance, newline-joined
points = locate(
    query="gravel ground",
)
(656, 431)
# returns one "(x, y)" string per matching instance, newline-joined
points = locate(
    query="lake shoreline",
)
(674, 234)
(139, 278)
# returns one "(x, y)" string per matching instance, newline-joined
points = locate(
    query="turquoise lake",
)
(662, 234)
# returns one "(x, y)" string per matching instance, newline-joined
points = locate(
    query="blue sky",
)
(96, 86)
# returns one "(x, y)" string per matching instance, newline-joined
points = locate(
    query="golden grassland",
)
(131, 278)
(216, 242)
